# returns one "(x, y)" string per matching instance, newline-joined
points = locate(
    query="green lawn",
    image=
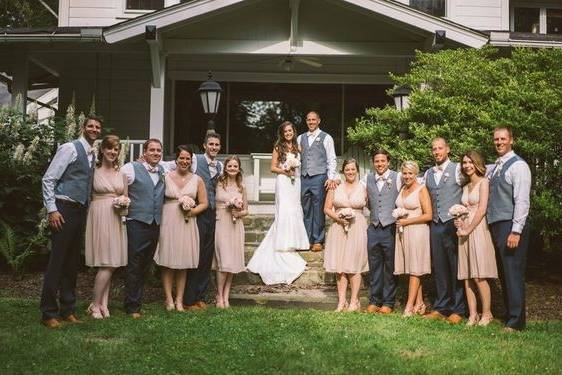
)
(265, 340)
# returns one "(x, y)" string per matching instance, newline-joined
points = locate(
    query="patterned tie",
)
(498, 168)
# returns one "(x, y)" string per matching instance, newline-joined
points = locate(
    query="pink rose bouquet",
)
(346, 214)
(186, 204)
(121, 204)
(400, 213)
(235, 204)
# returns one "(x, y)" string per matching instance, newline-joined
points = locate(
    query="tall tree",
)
(27, 13)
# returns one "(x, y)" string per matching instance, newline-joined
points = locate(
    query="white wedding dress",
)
(275, 259)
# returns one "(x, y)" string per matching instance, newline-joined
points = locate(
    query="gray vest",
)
(382, 202)
(314, 160)
(76, 181)
(501, 205)
(444, 195)
(146, 198)
(210, 183)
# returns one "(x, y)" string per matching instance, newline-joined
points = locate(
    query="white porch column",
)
(157, 104)
(20, 80)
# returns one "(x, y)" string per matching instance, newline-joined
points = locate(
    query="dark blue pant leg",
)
(142, 240)
(511, 264)
(388, 245)
(198, 279)
(380, 247)
(306, 203)
(60, 276)
(318, 216)
(451, 245)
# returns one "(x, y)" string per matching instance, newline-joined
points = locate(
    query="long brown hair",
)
(223, 178)
(109, 141)
(281, 145)
(477, 161)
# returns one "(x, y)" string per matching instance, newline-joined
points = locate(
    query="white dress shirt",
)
(440, 169)
(171, 165)
(330, 151)
(66, 154)
(519, 176)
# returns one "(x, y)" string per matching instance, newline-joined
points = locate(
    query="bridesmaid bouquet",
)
(186, 204)
(291, 164)
(400, 213)
(122, 203)
(458, 211)
(235, 204)
(347, 214)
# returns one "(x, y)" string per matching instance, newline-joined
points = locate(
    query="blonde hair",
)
(411, 165)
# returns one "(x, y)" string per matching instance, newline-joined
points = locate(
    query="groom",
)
(318, 173)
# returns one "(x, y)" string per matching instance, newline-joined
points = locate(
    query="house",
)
(144, 60)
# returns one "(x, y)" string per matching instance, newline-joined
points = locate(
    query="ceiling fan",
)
(288, 62)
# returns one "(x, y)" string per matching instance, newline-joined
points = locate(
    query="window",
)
(145, 4)
(434, 7)
(526, 20)
(250, 112)
(554, 21)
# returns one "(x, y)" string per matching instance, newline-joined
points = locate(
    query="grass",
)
(264, 340)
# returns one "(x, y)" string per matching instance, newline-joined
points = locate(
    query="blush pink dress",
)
(347, 252)
(178, 245)
(412, 255)
(229, 235)
(477, 258)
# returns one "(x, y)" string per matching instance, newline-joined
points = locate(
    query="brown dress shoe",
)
(50, 323)
(372, 309)
(510, 330)
(385, 310)
(202, 305)
(435, 315)
(454, 319)
(317, 247)
(135, 315)
(72, 319)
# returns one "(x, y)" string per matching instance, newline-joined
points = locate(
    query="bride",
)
(275, 259)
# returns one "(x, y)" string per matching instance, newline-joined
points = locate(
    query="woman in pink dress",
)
(477, 260)
(106, 236)
(178, 245)
(412, 255)
(232, 206)
(346, 240)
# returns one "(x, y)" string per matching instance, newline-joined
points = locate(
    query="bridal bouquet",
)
(186, 204)
(458, 211)
(235, 204)
(291, 164)
(400, 213)
(122, 203)
(346, 214)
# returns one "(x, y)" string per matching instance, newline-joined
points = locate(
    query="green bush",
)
(462, 95)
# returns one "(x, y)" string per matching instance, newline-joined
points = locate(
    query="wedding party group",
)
(464, 223)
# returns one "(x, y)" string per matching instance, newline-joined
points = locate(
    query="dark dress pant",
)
(64, 260)
(380, 249)
(445, 259)
(511, 266)
(198, 279)
(313, 195)
(142, 241)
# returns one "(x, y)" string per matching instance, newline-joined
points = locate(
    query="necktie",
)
(498, 167)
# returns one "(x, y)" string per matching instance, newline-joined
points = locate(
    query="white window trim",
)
(132, 13)
(542, 6)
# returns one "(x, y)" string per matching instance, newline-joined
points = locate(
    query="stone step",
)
(311, 277)
(309, 256)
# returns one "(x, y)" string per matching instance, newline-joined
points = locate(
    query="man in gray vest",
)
(146, 191)
(444, 182)
(383, 187)
(66, 193)
(209, 169)
(318, 173)
(508, 208)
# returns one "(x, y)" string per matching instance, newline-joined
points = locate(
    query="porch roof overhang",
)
(52, 34)
(387, 8)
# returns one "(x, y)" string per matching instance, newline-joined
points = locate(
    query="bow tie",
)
(152, 169)
(310, 134)
(213, 163)
(380, 178)
(437, 168)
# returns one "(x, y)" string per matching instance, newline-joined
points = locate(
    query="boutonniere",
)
(317, 140)
(162, 177)
(445, 176)
(388, 182)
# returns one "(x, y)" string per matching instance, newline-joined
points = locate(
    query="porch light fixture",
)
(401, 95)
(210, 92)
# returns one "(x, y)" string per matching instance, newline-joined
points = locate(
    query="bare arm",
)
(126, 185)
(244, 211)
(480, 211)
(329, 208)
(201, 198)
(275, 163)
